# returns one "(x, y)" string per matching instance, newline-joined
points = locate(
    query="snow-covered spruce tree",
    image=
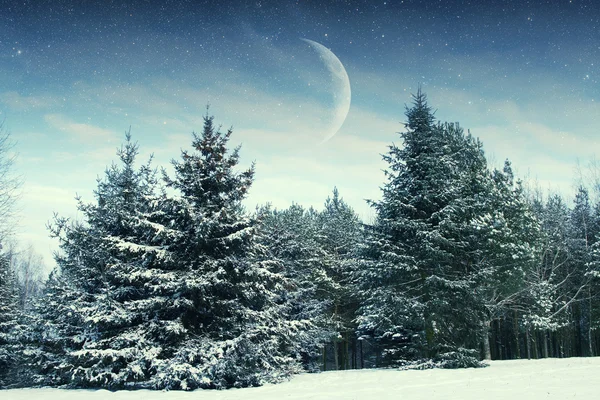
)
(107, 298)
(55, 330)
(426, 272)
(9, 323)
(510, 233)
(393, 271)
(593, 274)
(315, 250)
(546, 284)
(229, 329)
(582, 236)
(291, 241)
(340, 233)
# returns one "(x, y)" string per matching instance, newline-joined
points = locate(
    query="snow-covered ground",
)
(523, 379)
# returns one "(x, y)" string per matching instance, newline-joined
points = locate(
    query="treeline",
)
(167, 282)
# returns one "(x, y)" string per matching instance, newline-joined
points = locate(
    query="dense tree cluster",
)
(167, 282)
(9, 324)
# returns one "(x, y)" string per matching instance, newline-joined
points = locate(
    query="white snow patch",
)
(518, 379)
(138, 248)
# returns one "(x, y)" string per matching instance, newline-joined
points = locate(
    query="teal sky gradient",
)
(74, 78)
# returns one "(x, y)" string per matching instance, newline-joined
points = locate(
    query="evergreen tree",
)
(55, 330)
(340, 234)
(165, 291)
(9, 323)
(314, 251)
(292, 239)
(510, 234)
(412, 279)
(229, 328)
(105, 300)
(389, 313)
(545, 284)
(593, 274)
(581, 231)
(446, 237)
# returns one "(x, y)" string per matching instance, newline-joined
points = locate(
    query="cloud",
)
(561, 144)
(279, 122)
(308, 193)
(79, 131)
(17, 102)
(281, 134)
(37, 205)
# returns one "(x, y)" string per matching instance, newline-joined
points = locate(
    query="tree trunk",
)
(325, 357)
(346, 350)
(354, 352)
(336, 353)
(591, 348)
(535, 344)
(362, 360)
(487, 351)
(516, 329)
(562, 343)
(528, 343)
(499, 341)
(342, 353)
(336, 347)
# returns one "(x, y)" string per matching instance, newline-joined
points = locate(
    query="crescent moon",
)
(341, 87)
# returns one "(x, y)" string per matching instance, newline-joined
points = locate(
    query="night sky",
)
(74, 76)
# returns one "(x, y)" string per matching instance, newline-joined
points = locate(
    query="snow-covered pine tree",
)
(545, 284)
(510, 233)
(340, 233)
(9, 323)
(593, 274)
(390, 313)
(55, 330)
(291, 238)
(582, 236)
(106, 299)
(423, 259)
(228, 329)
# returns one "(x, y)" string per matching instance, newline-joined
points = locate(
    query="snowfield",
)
(521, 379)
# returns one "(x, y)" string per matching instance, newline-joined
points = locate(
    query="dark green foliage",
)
(234, 331)
(177, 287)
(449, 234)
(461, 358)
(55, 330)
(166, 291)
(314, 250)
(340, 235)
(9, 323)
(104, 305)
(420, 259)
(291, 240)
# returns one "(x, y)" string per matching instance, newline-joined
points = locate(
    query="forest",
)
(168, 282)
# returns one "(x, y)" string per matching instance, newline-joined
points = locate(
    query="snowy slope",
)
(523, 379)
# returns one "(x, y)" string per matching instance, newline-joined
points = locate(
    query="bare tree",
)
(9, 184)
(30, 273)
